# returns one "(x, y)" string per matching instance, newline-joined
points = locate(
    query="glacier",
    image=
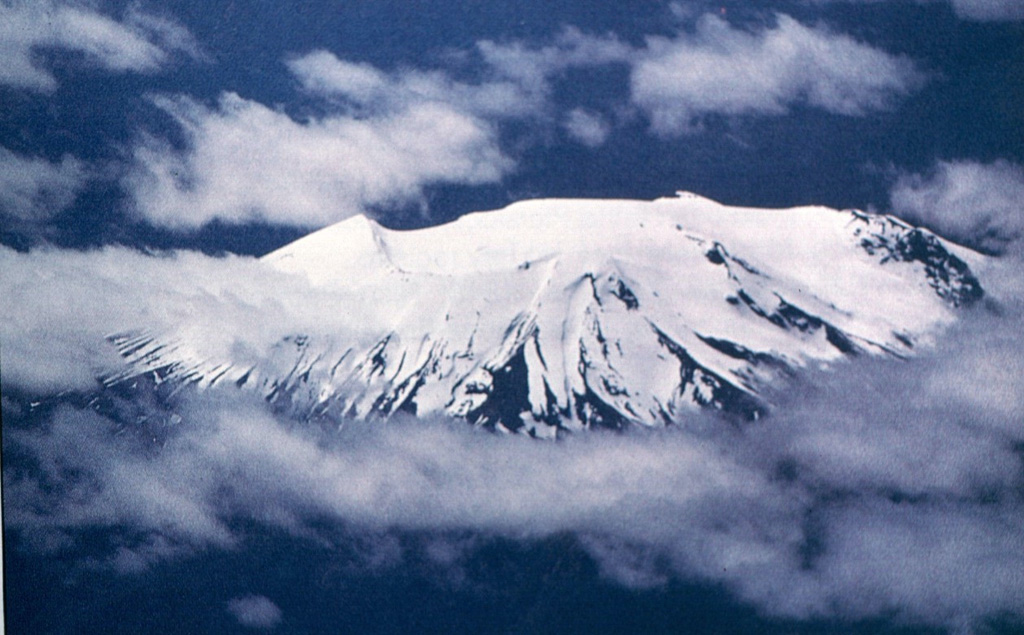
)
(557, 315)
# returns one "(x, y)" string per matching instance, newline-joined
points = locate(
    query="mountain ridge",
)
(562, 314)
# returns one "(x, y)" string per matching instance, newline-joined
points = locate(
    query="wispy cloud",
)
(380, 137)
(989, 10)
(34, 190)
(976, 203)
(586, 127)
(368, 91)
(534, 66)
(973, 10)
(255, 611)
(139, 42)
(385, 138)
(719, 69)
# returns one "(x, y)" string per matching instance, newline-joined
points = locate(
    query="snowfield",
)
(553, 315)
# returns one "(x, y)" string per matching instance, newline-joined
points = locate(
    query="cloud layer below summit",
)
(870, 477)
(841, 505)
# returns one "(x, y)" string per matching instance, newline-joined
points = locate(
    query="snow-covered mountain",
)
(564, 314)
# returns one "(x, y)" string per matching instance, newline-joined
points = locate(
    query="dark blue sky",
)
(928, 83)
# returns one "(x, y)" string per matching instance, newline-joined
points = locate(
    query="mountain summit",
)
(554, 315)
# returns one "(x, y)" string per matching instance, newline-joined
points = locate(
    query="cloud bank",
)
(140, 42)
(809, 516)
(60, 306)
(879, 488)
(976, 203)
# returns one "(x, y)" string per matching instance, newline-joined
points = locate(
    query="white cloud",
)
(877, 488)
(587, 127)
(972, 567)
(720, 69)
(533, 67)
(386, 136)
(385, 139)
(165, 33)
(247, 162)
(59, 306)
(976, 203)
(975, 10)
(255, 611)
(369, 91)
(34, 189)
(323, 72)
(989, 10)
(141, 42)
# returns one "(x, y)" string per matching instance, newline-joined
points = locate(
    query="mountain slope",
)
(563, 314)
